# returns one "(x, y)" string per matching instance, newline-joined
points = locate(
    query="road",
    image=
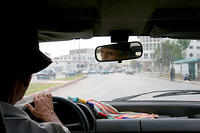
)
(108, 87)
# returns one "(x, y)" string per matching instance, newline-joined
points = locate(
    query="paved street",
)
(108, 87)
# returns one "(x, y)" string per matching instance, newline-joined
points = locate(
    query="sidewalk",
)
(183, 81)
(28, 98)
(157, 75)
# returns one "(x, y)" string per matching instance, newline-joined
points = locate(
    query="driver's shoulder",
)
(16, 120)
(10, 111)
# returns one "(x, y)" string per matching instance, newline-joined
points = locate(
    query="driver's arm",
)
(43, 108)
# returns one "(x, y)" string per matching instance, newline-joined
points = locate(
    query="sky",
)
(56, 49)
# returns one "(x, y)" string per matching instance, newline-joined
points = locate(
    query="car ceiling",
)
(60, 20)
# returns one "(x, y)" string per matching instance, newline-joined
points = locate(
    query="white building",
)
(78, 60)
(149, 46)
(193, 50)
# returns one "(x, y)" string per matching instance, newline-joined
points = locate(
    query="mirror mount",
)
(119, 61)
(120, 35)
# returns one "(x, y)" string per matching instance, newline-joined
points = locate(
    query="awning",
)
(192, 60)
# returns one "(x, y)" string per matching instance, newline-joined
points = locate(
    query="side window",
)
(190, 47)
(147, 46)
(145, 55)
(151, 55)
(154, 46)
(150, 46)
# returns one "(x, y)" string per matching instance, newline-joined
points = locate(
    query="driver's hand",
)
(43, 108)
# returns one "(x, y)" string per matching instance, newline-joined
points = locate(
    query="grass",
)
(70, 78)
(36, 87)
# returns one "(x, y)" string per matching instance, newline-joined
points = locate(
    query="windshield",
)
(166, 66)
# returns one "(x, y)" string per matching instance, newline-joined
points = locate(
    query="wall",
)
(185, 68)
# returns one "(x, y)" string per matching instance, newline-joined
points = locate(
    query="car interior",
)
(61, 20)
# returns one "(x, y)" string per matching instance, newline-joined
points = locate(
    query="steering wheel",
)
(84, 124)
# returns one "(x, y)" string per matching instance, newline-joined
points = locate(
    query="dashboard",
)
(168, 122)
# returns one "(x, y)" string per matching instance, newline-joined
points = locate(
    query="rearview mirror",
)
(118, 52)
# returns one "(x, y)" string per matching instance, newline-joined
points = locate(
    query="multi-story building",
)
(78, 60)
(149, 46)
(193, 50)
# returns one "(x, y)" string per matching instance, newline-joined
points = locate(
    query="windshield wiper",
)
(166, 93)
(181, 92)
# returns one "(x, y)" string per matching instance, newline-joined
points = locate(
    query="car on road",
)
(119, 70)
(166, 34)
(111, 71)
(46, 74)
(105, 71)
(130, 71)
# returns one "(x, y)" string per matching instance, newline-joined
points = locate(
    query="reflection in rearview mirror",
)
(120, 51)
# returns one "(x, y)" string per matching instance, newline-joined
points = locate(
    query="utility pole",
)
(161, 59)
(79, 55)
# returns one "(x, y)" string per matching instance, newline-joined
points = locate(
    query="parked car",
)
(84, 72)
(46, 74)
(119, 70)
(111, 71)
(69, 73)
(92, 72)
(104, 71)
(130, 71)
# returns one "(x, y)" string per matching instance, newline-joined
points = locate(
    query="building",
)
(76, 61)
(79, 60)
(148, 58)
(193, 50)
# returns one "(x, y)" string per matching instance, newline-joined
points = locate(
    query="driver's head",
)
(113, 52)
(109, 53)
(21, 59)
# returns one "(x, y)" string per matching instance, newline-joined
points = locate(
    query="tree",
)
(134, 64)
(170, 53)
(184, 43)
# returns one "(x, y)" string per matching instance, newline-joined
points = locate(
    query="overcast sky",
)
(63, 47)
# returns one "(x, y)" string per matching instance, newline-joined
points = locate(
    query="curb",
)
(180, 81)
(30, 97)
(176, 80)
(185, 82)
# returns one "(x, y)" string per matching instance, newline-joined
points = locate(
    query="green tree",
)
(170, 53)
(133, 64)
(184, 43)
